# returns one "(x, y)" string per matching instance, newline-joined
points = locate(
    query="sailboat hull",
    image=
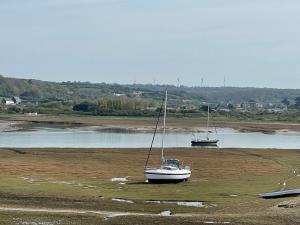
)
(167, 181)
(204, 143)
(167, 176)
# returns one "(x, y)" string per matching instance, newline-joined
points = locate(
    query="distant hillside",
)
(43, 90)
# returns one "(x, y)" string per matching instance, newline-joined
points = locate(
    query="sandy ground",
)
(138, 124)
(6, 126)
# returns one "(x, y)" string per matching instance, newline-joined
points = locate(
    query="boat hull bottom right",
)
(166, 181)
(203, 144)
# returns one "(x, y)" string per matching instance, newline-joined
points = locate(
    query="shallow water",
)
(91, 137)
(182, 203)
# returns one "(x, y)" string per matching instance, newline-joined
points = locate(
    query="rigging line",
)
(160, 110)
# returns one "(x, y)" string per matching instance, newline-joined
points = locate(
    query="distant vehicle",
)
(205, 142)
(170, 170)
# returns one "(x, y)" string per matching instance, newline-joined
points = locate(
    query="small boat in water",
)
(205, 142)
(170, 170)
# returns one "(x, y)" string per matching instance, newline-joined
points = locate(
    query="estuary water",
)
(91, 137)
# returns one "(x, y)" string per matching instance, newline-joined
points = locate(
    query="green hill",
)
(29, 89)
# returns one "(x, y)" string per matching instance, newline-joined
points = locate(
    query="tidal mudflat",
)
(77, 186)
(181, 124)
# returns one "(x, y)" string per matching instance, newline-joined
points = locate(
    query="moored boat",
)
(196, 141)
(170, 170)
(203, 142)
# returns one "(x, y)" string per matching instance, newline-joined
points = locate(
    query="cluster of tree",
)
(105, 106)
(114, 106)
(53, 107)
(294, 104)
(30, 89)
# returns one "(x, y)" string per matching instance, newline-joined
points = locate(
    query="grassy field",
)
(228, 181)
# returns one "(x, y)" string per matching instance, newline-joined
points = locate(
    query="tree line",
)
(106, 106)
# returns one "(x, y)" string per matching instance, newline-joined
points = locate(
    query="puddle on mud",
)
(214, 222)
(197, 204)
(166, 213)
(50, 181)
(119, 179)
(122, 200)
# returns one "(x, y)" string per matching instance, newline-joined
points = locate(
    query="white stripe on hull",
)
(160, 174)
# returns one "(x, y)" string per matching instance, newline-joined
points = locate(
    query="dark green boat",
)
(205, 142)
(212, 142)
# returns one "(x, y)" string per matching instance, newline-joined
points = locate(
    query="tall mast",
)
(164, 128)
(207, 121)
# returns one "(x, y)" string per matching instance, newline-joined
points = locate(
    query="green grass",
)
(235, 193)
(217, 191)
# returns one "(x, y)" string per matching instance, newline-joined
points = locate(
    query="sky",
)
(247, 42)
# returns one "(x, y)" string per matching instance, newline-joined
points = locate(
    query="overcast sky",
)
(250, 42)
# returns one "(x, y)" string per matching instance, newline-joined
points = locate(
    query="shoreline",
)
(9, 126)
(14, 123)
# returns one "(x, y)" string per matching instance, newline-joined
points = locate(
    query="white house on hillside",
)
(11, 101)
(8, 101)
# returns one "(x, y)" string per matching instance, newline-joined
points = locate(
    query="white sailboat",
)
(205, 142)
(170, 170)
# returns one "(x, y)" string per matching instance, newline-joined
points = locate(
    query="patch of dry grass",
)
(80, 178)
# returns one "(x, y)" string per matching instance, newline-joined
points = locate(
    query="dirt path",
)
(74, 211)
(205, 218)
(106, 214)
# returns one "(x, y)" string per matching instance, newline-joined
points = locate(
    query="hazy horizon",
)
(160, 84)
(252, 43)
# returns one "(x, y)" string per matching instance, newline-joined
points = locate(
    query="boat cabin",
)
(171, 164)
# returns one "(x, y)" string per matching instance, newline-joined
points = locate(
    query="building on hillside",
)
(16, 100)
(31, 114)
(137, 93)
(152, 109)
(8, 101)
(223, 110)
(187, 101)
(11, 101)
(119, 94)
(252, 104)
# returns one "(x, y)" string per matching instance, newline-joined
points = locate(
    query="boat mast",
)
(164, 128)
(207, 137)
